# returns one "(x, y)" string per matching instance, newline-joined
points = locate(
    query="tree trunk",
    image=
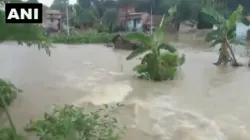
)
(224, 55)
(177, 25)
(9, 119)
(248, 34)
(235, 63)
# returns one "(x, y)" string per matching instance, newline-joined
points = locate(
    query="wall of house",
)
(48, 22)
(131, 23)
(52, 24)
(122, 13)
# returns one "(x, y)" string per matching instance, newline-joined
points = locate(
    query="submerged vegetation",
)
(224, 34)
(91, 36)
(64, 123)
(162, 60)
(75, 123)
(8, 93)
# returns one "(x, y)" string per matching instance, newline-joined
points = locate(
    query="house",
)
(156, 20)
(128, 18)
(123, 12)
(52, 19)
(134, 21)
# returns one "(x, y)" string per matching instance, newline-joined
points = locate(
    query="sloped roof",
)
(57, 12)
(53, 14)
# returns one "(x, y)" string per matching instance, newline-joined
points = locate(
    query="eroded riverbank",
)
(204, 102)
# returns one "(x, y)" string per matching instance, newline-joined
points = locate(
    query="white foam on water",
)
(234, 128)
(101, 69)
(115, 73)
(87, 63)
(170, 122)
(106, 94)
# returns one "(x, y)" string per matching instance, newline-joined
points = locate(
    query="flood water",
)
(204, 102)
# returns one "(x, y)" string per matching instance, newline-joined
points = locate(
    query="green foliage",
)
(162, 60)
(59, 5)
(109, 18)
(8, 92)
(153, 69)
(8, 134)
(225, 27)
(185, 10)
(91, 36)
(91, 11)
(74, 123)
(32, 1)
(101, 28)
(29, 34)
(87, 16)
(225, 33)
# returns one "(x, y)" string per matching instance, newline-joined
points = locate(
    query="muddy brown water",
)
(204, 102)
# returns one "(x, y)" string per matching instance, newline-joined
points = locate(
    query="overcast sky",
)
(49, 2)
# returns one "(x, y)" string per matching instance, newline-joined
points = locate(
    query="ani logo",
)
(23, 13)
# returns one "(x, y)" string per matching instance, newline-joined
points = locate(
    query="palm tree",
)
(224, 34)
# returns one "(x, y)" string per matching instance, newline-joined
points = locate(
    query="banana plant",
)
(224, 34)
(156, 64)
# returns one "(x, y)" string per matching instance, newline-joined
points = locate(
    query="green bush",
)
(72, 123)
(159, 67)
(8, 92)
(8, 134)
(85, 38)
(101, 28)
(119, 28)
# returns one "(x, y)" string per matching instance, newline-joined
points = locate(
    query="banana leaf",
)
(139, 37)
(216, 18)
(136, 52)
(234, 17)
(167, 47)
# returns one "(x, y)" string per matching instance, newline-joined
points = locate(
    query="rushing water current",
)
(204, 102)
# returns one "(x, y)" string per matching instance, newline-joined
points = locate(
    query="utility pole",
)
(151, 14)
(67, 14)
(151, 21)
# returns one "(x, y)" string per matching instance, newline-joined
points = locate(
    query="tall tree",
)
(84, 3)
(59, 5)
(109, 18)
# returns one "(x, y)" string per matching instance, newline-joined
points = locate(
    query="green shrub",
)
(91, 36)
(159, 68)
(101, 28)
(74, 123)
(119, 28)
(8, 134)
(8, 92)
